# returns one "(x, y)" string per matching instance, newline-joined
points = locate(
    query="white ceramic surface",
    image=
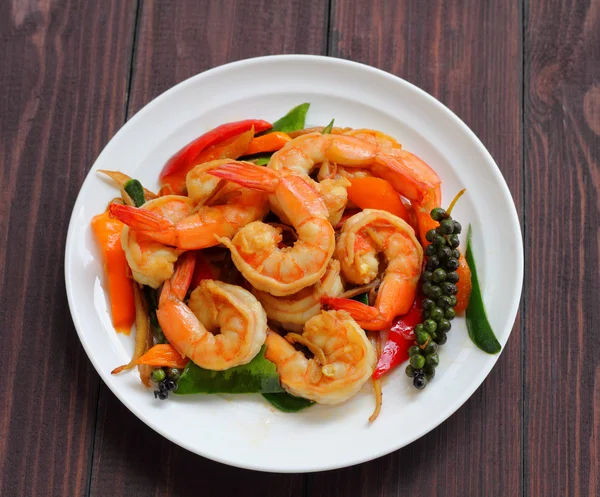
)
(244, 430)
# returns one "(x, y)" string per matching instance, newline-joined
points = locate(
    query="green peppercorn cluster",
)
(166, 378)
(439, 288)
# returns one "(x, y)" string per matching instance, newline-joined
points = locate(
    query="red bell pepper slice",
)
(400, 339)
(202, 270)
(188, 154)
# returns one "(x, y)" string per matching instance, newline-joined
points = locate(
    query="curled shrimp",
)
(364, 237)
(214, 306)
(152, 262)
(255, 248)
(293, 311)
(380, 155)
(343, 361)
(223, 213)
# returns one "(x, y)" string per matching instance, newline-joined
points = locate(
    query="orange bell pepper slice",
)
(231, 148)
(464, 285)
(120, 287)
(163, 355)
(377, 193)
(268, 143)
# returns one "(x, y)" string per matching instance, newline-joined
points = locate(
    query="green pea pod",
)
(327, 129)
(294, 120)
(135, 190)
(480, 330)
(286, 402)
(258, 376)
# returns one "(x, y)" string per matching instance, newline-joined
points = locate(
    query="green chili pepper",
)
(480, 330)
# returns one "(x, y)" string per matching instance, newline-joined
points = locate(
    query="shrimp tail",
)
(139, 219)
(366, 316)
(176, 288)
(248, 175)
(408, 174)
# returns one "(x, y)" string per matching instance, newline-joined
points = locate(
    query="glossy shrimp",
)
(343, 361)
(293, 311)
(364, 237)
(223, 210)
(223, 326)
(255, 248)
(380, 155)
(152, 262)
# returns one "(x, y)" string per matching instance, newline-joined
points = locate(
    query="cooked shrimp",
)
(364, 236)
(293, 311)
(151, 262)
(255, 248)
(344, 359)
(385, 142)
(408, 174)
(214, 306)
(225, 213)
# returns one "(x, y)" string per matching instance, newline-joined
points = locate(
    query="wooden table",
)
(524, 75)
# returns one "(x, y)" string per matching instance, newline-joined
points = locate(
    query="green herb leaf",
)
(480, 330)
(294, 120)
(286, 402)
(327, 129)
(135, 190)
(258, 376)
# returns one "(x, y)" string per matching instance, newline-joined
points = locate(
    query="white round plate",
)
(244, 430)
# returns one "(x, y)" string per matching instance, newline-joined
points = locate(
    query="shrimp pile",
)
(248, 258)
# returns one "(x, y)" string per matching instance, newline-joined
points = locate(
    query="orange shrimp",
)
(364, 236)
(222, 216)
(369, 151)
(233, 311)
(255, 248)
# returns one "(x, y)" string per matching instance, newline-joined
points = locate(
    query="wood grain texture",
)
(178, 39)
(562, 181)
(175, 41)
(466, 54)
(56, 113)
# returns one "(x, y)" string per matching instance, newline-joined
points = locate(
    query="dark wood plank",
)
(63, 79)
(466, 54)
(175, 41)
(178, 39)
(562, 173)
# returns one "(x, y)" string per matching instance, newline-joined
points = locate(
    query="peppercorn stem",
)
(453, 203)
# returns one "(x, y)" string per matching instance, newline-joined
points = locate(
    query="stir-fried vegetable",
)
(400, 338)
(135, 190)
(286, 402)
(327, 129)
(479, 327)
(258, 376)
(229, 147)
(271, 142)
(120, 287)
(163, 355)
(143, 340)
(294, 120)
(376, 193)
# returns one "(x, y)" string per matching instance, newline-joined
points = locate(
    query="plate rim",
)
(319, 59)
